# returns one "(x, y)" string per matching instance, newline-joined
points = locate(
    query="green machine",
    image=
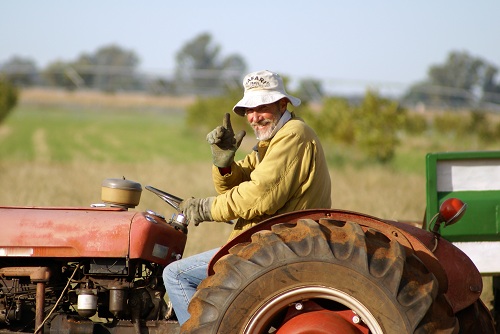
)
(474, 178)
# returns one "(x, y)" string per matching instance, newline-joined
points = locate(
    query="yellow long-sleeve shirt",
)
(286, 173)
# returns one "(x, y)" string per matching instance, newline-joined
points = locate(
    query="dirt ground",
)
(86, 98)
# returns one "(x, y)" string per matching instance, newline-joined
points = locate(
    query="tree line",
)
(462, 80)
(200, 69)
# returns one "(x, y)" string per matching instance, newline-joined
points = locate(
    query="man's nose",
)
(252, 115)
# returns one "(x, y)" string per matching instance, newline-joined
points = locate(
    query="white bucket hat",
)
(262, 87)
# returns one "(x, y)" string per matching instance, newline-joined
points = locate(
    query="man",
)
(286, 172)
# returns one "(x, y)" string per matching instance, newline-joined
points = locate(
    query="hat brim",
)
(257, 98)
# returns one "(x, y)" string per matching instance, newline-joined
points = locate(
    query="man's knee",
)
(170, 271)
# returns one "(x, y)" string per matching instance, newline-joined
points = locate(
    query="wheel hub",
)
(319, 322)
(263, 317)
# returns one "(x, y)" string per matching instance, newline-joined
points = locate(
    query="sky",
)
(384, 43)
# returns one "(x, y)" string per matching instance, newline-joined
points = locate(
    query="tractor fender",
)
(464, 279)
(456, 274)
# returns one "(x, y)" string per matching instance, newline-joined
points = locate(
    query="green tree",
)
(461, 70)
(335, 121)
(85, 69)
(55, 75)
(490, 86)
(114, 68)
(110, 68)
(310, 90)
(462, 80)
(8, 97)
(207, 112)
(373, 126)
(20, 71)
(201, 69)
(378, 121)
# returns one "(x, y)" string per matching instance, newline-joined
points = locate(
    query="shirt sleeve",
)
(240, 172)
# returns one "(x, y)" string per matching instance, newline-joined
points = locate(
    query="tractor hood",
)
(87, 232)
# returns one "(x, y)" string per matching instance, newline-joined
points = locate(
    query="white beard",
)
(266, 132)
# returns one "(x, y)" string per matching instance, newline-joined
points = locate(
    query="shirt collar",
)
(284, 118)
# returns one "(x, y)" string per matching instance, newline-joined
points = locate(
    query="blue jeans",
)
(182, 278)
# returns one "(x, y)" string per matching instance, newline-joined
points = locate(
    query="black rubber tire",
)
(399, 293)
(476, 319)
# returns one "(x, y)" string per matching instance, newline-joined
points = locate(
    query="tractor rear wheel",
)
(333, 273)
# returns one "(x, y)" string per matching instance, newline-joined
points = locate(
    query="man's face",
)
(264, 119)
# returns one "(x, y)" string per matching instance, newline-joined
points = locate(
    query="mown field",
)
(56, 150)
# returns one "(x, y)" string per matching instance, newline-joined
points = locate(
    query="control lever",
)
(174, 202)
(178, 219)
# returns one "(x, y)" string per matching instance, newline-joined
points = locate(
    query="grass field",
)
(56, 150)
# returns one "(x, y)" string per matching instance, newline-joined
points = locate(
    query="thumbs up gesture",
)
(224, 143)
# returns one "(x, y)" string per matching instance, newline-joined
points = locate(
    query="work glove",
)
(197, 210)
(224, 143)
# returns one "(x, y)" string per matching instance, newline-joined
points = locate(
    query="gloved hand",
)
(224, 143)
(197, 210)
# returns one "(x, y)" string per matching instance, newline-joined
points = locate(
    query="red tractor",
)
(98, 270)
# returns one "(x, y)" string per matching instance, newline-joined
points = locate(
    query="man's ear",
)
(283, 103)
